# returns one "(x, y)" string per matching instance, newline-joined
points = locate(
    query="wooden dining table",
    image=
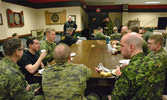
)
(90, 53)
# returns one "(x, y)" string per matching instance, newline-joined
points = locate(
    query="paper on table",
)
(40, 71)
(124, 61)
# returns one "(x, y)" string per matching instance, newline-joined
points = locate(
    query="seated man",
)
(146, 33)
(48, 45)
(69, 40)
(155, 44)
(99, 34)
(31, 61)
(143, 78)
(13, 85)
(64, 80)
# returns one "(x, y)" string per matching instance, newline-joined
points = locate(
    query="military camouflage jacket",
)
(115, 36)
(162, 56)
(140, 80)
(12, 82)
(65, 81)
(49, 50)
(145, 47)
(110, 27)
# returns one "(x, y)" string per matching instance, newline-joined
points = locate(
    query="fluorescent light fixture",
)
(157, 2)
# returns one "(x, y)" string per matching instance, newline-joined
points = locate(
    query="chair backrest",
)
(95, 31)
(58, 38)
(24, 43)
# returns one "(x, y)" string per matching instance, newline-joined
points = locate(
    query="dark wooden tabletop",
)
(92, 52)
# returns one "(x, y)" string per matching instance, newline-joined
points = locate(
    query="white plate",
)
(40, 71)
(125, 61)
(114, 71)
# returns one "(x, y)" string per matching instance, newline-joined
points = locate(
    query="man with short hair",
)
(108, 26)
(69, 40)
(143, 78)
(70, 23)
(124, 30)
(146, 33)
(155, 44)
(31, 61)
(64, 80)
(13, 85)
(48, 45)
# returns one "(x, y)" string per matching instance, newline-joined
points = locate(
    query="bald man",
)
(141, 78)
(65, 81)
(124, 30)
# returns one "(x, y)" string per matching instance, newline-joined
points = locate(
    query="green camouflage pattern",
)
(162, 56)
(100, 35)
(147, 35)
(110, 27)
(142, 79)
(145, 47)
(12, 82)
(115, 36)
(49, 47)
(65, 81)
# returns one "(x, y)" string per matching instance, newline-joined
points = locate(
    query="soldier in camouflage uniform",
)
(109, 26)
(155, 44)
(48, 44)
(13, 85)
(64, 81)
(116, 35)
(143, 78)
(146, 33)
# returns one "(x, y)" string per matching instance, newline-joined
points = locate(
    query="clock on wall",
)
(55, 17)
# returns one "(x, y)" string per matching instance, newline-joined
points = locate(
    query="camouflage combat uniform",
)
(49, 50)
(145, 47)
(147, 35)
(116, 36)
(110, 27)
(65, 81)
(162, 56)
(140, 80)
(12, 82)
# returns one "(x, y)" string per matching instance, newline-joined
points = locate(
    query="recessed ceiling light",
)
(157, 2)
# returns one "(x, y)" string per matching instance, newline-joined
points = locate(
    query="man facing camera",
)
(69, 40)
(48, 44)
(70, 23)
(13, 85)
(143, 78)
(64, 80)
(31, 61)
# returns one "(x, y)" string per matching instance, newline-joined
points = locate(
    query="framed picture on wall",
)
(73, 17)
(15, 19)
(1, 21)
(134, 23)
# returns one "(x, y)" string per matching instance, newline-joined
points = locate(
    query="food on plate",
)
(105, 74)
(114, 71)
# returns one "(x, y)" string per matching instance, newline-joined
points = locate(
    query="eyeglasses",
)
(20, 49)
